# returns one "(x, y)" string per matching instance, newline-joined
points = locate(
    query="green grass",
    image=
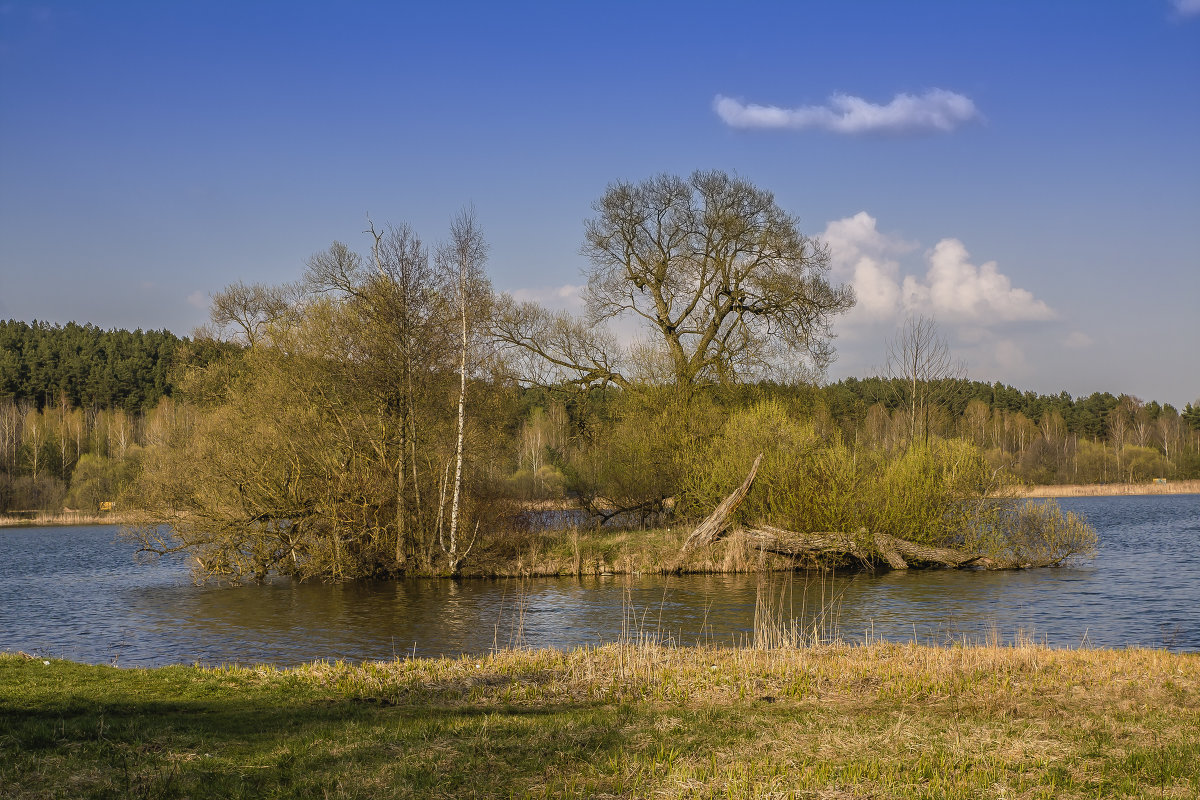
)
(878, 720)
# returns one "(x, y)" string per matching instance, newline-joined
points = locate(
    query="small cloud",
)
(198, 299)
(567, 296)
(937, 110)
(1078, 340)
(1185, 8)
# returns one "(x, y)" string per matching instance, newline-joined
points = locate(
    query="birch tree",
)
(461, 260)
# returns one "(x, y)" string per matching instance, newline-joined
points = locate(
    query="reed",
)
(59, 518)
(1112, 489)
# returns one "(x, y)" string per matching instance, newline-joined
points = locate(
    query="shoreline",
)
(1110, 489)
(65, 519)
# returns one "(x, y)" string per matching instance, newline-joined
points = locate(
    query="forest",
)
(387, 410)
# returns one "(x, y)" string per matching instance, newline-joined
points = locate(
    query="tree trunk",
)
(717, 523)
(458, 450)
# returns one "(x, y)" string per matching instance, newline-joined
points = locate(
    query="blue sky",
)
(1025, 172)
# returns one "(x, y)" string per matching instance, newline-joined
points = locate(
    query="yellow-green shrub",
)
(941, 493)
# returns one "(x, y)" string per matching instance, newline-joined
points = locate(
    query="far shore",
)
(1112, 489)
(45, 519)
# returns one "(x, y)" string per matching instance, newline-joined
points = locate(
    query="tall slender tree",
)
(462, 259)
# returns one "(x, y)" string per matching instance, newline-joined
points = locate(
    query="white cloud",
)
(935, 110)
(951, 290)
(1078, 340)
(1185, 8)
(198, 299)
(954, 288)
(866, 258)
(565, 297)
(855, 237)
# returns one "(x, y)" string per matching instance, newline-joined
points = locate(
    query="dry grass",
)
(524, 554)
(989, 676)
(883, 720)
(52, 518)
(1113, 489)
(1000, 720)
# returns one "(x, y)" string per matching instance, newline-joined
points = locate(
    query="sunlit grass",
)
(628, 720)
(590, 551)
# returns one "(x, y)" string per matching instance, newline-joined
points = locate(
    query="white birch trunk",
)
(462, 402)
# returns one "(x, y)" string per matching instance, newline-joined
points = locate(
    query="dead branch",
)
(717, 523)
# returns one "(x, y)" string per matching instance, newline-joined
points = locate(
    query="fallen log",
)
(896, 552)
(798, 545)
(938, 555)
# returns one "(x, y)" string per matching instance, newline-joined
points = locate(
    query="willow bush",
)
(1032, 533)
(633, 457)
(301, 463)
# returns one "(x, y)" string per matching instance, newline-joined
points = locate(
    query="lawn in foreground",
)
(630, 720)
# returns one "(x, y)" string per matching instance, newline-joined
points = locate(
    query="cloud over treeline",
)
(568, 296)
(953, 289)
(935, 111)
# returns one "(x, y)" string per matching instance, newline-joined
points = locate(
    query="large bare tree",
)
(249, 309)
(718, 273)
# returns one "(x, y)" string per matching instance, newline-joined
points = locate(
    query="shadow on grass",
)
(259, 742)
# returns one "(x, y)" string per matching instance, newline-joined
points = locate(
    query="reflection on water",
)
(75, 592)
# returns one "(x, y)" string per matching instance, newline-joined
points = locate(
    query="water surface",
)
(78, 593)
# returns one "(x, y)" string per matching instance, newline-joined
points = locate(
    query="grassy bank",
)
(543, 553)
(877, 720)
(1112, 489)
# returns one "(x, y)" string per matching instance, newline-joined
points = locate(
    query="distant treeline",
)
(85, 366)
(79, 403)
(81, 406)
(89, 367)
(1084, 416)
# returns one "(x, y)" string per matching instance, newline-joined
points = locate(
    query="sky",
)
(1027, 174)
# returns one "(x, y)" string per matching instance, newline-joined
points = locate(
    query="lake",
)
(78, 593)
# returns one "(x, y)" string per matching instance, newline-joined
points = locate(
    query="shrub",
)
(1035, 532)
(942, 493)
